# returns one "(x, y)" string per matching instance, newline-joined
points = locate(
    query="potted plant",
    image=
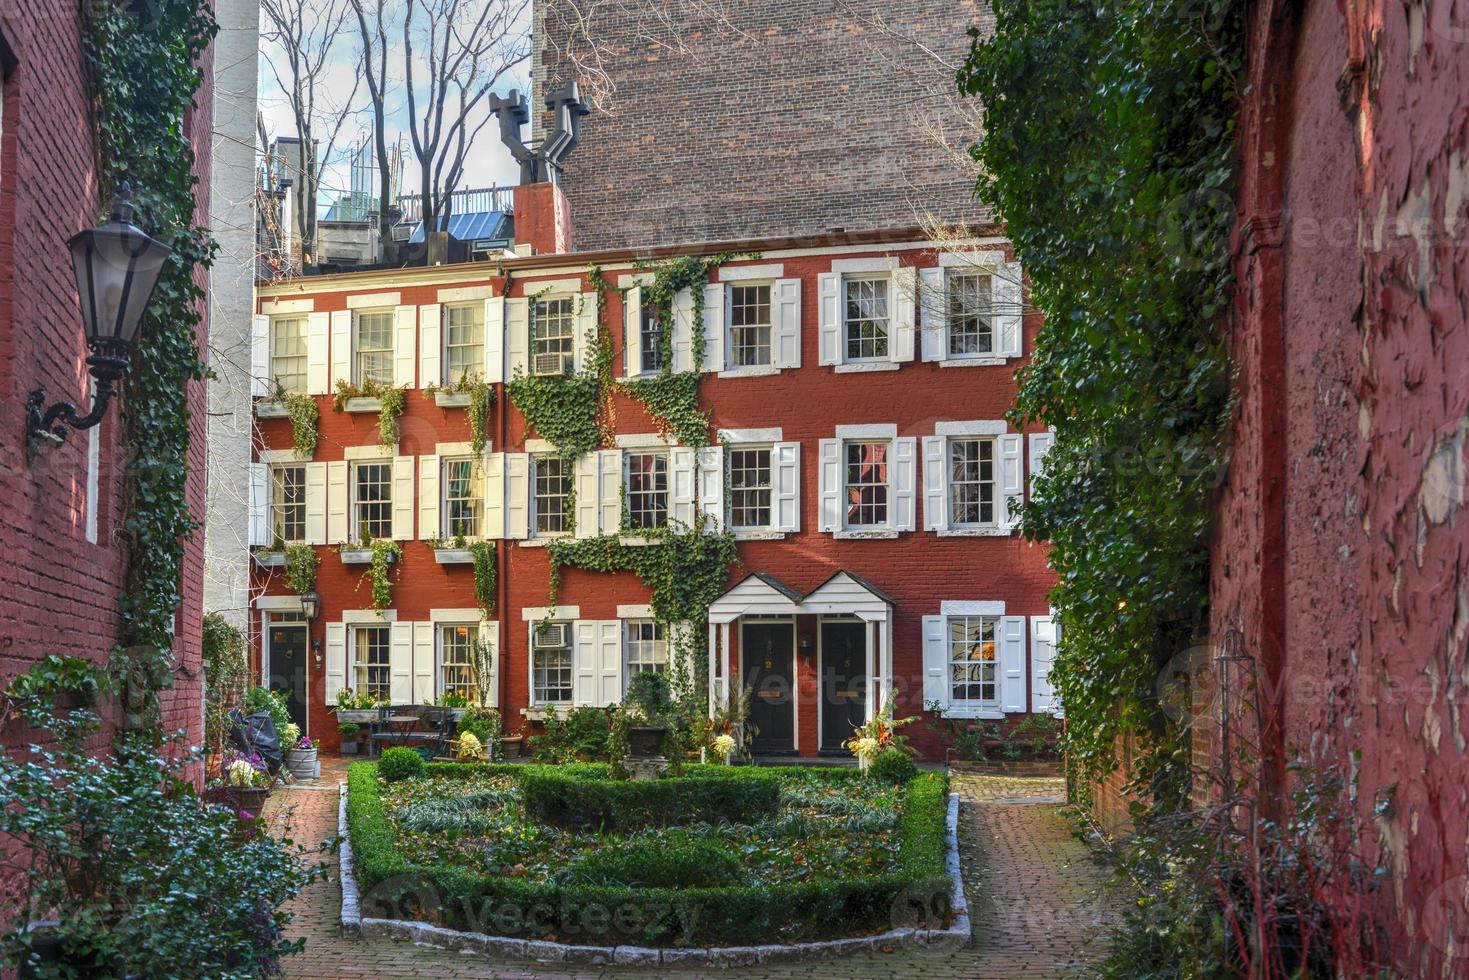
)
(347, 731)
(452, 552)
(651, 705)
(246, 782)
(879, 733)
(357, 708)
(301, 760)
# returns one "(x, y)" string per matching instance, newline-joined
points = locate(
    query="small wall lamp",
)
(807, 643)
(310, 603)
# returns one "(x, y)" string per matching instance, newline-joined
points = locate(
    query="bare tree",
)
(372, 28)
(301, 37)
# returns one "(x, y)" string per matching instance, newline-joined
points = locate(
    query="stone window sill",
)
(976, 532)
(874, 535)
(863, 366)
(762, 371)
(757, 534)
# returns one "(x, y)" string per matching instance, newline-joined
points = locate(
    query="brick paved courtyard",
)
(1037, 899)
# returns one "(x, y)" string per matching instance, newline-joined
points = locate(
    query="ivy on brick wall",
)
(143, 71)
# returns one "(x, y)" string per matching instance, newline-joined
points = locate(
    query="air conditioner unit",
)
(551, 365)
(403, 232)
(551, 636)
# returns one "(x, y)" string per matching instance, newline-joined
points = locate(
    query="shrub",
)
(648, 692)
(272, 703)
(399, 763)
(892, 766)
(609, 804)
(348, 731)
(483, 724)
(690, 864)
(581, 735)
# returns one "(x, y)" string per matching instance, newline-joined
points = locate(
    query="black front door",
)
(843, 681)
(768, 654)
(286, 667)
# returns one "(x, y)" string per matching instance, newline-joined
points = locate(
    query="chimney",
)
(542, 217)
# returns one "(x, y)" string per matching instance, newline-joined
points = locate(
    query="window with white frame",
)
(373, 346)
(971, 305)
(971, 482)
(288, 355)
(551, 483)
(867, 317)
(456, 658)
(462, 499)
(288, 503)
(749, 487)
(464, 341)
(650, 342)
(866, 483)
(973, 657)
(749, 325)
(647, 490)
(646, 647)
(552, 335)
(371, 670)
(372, 500)
(551, 663)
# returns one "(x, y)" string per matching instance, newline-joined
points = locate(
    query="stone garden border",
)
(354, 924)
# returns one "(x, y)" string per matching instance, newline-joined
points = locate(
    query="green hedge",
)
(917, 892)
(575, 800)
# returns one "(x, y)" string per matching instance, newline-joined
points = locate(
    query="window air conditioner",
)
(551, 636)
(550, 365)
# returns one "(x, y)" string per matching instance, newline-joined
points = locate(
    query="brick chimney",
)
(542, 218)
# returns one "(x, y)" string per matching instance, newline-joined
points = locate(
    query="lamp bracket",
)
(50, 426)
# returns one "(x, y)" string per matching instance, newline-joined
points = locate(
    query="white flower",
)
(865, 748)
(241, 773)
(724, 745)
(469, 747)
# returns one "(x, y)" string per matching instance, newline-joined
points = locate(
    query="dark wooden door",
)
(768, 653)
(843, 681)
(287, 668)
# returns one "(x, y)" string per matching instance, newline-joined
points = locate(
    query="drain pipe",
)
(502, 553)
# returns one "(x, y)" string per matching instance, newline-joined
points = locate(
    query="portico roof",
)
(844, 593)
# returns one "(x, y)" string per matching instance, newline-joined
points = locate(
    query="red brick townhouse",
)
(858, 386)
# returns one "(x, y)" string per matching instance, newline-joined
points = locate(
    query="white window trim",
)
(476, 479)
(965, 607)
(743, 273)
(635, 612)
(534, 538)
(885, 362)
(659, 450)
(751, 370)
(644, 440)
(305, 321)
(767, 531)
(974, 360)
(354, 530)
(979, 710)
(464, 294)
(369, 309)
(989, 260)
(474, 621)
(286, 307)
(865, 266)
(370, 302)
(536, 708)
(991, 430)
(444, 307)
(868, 432)
(532, 614)
(627, 623)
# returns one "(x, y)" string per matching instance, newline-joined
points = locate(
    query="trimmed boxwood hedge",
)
(580, 801)
(916, 893)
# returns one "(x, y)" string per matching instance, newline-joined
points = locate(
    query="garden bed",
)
(842, 857)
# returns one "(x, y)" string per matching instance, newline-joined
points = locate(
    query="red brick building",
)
(858, 384)
(64, 564)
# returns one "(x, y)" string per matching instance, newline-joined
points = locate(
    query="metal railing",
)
(471, 200)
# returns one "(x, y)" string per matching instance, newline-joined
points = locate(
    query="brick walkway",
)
(1036, 897)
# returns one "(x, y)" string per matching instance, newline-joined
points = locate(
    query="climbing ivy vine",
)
(143, 72)
(484, 553)
(1108, 149)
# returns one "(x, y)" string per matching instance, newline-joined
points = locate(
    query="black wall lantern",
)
(310, 603)
(117, 268)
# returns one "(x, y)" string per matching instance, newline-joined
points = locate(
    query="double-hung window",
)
(464, 342)
(551, 668)
(372, 500)
(749, 488)
(749, 325)
(456, 659)
(371, 674)
(373, 345)
(288, 503)
(971, 463)
(288, 353)
(973, 660)
(646, 648)
(865, 465)
(552, 335)
(551, 489)
(647, 490)
(462, 503)
(970, 314)
(650, 342)
(866, 317)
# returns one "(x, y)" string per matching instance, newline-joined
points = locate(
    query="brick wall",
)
(766, 117)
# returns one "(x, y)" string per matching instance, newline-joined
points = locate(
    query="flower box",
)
(454, 556)
(361, 556)
(361, 404)
(452, 399)
(269, 559)
(269, 408)
(357, 716)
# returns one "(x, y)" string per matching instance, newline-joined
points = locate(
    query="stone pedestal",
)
(650, 768)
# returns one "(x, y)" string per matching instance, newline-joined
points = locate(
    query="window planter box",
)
(454, 556)
(269, 408)
(544, 712)
(452, 399)
(357, 716)
(269, 559)
(361, 556)
(357, 405)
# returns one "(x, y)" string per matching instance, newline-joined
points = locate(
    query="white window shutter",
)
(683, 331)
(316, 503)
(405, 346)
(430, 346)
(935, 489)
(905, 294)
(632, 332)
(337, 494)
(785, 461)
(341, 347)
(935, 662)
(829, 294)
(403, 498)
(609, 463)
(609, 662)
(428, 496)
(1042, 659)
(1006, 290)
(933, 307)
(1010, 479)
(905, 483)
(715, 317)
(400, 663)
(494, 496)
(425, 662)
(710, 461)
(588, 499)
(495, 340)
(489, 631)
(584, 341)
(831, 485)
(786, 300)
(259, 504)
(517, 337)
(1040, 445)
(584, 661)
(517, 496)
(1012, 664)
(681, 485)
(318, 345)
(336, 660)
(261, 383)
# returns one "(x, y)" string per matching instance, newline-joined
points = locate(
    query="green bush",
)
(610, 804)
(581, 735)
(272, 703)
(690, 864)
(892, 766)
(399, 762)
(648, 691)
